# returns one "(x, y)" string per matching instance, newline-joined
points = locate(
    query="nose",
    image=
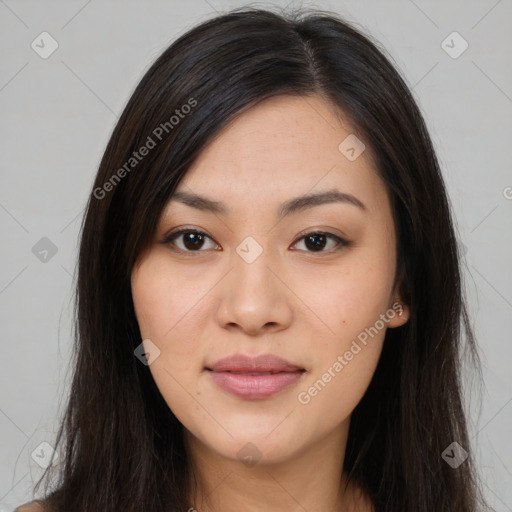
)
(253, 297)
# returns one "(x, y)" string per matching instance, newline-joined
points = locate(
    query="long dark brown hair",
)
(121, 446)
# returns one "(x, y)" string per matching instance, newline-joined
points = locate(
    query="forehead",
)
(285, 146)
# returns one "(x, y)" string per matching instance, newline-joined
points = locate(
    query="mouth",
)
(257, 374)
(253, 378)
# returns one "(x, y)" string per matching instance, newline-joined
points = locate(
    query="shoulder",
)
(33, 506)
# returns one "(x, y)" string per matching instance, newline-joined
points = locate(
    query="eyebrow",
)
(289, 207)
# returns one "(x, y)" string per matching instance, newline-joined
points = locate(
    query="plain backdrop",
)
(57, 114)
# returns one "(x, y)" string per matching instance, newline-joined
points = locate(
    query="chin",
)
(250, 444)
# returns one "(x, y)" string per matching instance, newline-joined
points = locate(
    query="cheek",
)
(345, 356)
(333, 392)
(167, 301)
(169, 310)
(349, 302)
(349, 297)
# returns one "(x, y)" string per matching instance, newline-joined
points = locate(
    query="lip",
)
(254, 377)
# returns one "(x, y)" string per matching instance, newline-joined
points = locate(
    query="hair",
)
(122, 446)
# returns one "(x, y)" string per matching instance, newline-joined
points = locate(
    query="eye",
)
(192, 240)
(189, 240)
(317, 241)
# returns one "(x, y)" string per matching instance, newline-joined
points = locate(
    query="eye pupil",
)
(315, 243)
(194, 239)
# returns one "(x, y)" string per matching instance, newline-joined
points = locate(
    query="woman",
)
(269, 302)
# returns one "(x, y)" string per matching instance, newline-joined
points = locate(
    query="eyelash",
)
(340, 242)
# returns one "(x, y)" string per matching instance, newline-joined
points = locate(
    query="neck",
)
(312, 480)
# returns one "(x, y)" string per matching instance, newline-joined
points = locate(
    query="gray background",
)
(57, 114)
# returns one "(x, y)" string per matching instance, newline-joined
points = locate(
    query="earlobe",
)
(399, 313)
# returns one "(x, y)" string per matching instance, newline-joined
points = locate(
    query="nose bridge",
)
(250, 266)
(252, 297)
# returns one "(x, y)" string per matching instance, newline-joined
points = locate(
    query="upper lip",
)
(261, 363)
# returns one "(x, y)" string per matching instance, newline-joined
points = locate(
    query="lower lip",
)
(254, 386)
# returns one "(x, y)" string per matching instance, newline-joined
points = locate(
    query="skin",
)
(292, 301)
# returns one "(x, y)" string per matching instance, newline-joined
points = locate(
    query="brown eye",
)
(188, 240)
(318, 241)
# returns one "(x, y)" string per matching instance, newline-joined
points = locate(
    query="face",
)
(256, 273)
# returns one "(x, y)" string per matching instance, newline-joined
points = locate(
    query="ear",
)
(401, 311)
